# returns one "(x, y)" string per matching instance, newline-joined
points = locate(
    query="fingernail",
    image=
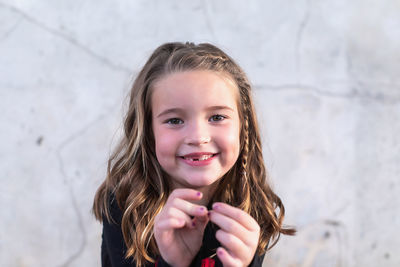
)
(201, 209)
(220, 252)
(198, 194)
(193, 224)
(215, 206)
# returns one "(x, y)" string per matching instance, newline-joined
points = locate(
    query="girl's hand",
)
(238, 235)
(179, 237)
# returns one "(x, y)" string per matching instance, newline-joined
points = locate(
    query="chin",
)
(202, 181)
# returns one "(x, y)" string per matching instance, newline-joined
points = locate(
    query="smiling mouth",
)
(198, 158)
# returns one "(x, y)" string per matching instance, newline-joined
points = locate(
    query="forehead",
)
(194, 89)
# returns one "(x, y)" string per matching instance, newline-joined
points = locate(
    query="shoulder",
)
(112, 223)
(113, 244)
(114, 210)
(257, 260)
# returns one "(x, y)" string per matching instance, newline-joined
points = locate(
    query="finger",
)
(233, 244)
(229, 225)
(199, 224)
(237, 214)
(204, 217)
(170, 223)
(227, 259)
(185, 193)
(188, 207)
(174, 213)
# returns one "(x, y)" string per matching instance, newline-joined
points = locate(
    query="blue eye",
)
(174, 121)
(217, 117)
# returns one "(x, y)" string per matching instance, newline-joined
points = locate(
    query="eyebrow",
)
(170, 110)
(178, 110)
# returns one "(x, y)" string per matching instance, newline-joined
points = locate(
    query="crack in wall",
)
(299, 37)
(316, 242)
(206, 14)
(8, 33)
(74, 42)
(314, 247)
(353, 94)
(75, 206)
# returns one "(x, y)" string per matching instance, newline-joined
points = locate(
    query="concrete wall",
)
(327, 87)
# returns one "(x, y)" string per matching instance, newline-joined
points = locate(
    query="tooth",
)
(204, 157)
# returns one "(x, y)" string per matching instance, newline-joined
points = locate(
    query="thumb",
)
(200, 223)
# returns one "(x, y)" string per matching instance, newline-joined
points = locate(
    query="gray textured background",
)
(327, 88)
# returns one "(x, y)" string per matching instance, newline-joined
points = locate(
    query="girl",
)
(187, 184)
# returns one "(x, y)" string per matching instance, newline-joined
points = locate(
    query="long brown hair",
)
(138, 182)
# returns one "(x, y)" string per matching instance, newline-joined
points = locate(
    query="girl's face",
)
(196, 127)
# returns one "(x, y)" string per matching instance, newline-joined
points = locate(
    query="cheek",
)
(231, 142)
(165, 143)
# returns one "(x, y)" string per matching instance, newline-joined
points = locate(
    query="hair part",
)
(137, 181)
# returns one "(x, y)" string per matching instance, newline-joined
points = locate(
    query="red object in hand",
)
(207, 262)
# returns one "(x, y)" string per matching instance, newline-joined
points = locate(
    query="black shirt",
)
(113, 247)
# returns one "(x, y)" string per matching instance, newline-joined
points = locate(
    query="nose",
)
(198, 134)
